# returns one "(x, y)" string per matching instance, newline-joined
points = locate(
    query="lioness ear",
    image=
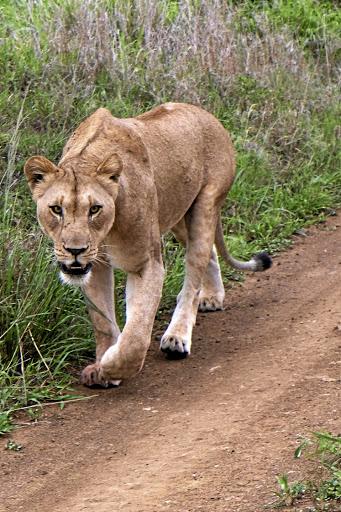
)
(111, 167)
(36, 170)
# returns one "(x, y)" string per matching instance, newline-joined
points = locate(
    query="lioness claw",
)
(90, 377)
(209, 304)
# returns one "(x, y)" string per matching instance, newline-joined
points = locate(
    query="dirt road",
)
(209, 433)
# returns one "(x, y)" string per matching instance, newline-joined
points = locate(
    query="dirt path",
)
(209, 433)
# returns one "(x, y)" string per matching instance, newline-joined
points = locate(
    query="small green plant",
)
(289, 491)
(34, 413)
(12, 445)
(6, 424)
(324, 489)
(328, 450)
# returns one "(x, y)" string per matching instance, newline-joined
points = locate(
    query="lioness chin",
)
(119, 185)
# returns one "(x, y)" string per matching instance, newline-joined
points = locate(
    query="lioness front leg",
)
(99, 294)
(143, 293)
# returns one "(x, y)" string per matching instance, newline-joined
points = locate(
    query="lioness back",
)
(187, 147)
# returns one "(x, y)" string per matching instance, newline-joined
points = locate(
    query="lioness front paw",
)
(91, 376)
(114, 366)
(175, 346)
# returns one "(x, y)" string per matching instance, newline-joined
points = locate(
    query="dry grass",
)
(222, 56)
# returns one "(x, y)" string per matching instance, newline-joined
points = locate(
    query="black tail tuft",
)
(263, 260)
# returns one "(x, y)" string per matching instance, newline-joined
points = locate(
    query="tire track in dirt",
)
(210, 432)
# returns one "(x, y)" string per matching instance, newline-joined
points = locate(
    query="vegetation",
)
(268, 70)
(324, 490)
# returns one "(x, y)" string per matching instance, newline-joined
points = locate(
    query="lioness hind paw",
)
(174, 347)
(210, 304)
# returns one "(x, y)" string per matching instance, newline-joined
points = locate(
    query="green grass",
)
(268, 70)
(324, 489)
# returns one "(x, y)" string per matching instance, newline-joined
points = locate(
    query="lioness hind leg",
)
(212, 290)
(200, 223)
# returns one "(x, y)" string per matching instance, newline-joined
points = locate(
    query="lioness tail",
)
(258, 262)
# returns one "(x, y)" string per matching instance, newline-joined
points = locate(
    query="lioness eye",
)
(56, 209)
(95, 209)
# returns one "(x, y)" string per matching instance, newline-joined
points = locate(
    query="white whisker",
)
(107, 245)
(102, 262)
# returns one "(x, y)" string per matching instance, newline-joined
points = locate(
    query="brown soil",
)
(209, 433)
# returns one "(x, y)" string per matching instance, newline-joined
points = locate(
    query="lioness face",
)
(75, 210)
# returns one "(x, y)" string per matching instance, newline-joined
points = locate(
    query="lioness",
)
(119, 185)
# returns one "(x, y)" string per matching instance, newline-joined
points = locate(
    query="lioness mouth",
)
(75, 269)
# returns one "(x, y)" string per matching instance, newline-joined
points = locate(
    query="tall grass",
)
(270, 71)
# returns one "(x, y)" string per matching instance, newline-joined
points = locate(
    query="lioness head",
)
(75, 209)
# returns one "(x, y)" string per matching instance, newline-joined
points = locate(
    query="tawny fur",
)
(168, 169)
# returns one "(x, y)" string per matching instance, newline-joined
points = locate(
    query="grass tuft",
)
(324, 488)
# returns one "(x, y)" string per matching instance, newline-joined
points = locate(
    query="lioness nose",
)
(75, 251)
